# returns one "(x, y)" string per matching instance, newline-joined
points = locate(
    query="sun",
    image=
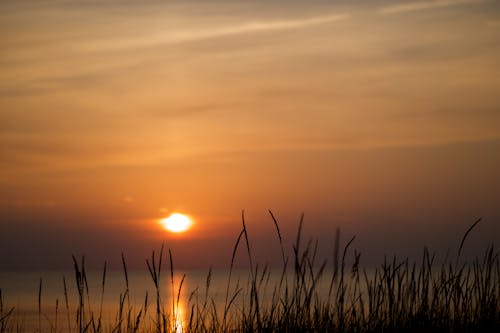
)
(177, 223)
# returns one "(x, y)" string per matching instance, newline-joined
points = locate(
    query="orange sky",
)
(378, 117)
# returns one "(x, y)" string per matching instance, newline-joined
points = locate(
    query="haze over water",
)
(378, 117)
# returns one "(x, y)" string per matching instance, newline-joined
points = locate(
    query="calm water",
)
(21, 291)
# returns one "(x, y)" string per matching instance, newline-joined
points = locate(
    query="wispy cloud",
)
(173, 37)
(425, 5)
(271, 26)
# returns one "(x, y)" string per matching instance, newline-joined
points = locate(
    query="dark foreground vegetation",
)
(454, 295)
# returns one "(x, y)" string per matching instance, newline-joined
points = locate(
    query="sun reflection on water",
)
(179, 318)
(178, 311)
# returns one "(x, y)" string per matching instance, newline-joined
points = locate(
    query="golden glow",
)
(178, 311)
(177, 223)
(179, 316)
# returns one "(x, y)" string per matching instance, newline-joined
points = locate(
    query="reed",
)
(454, 295)
(5, 315)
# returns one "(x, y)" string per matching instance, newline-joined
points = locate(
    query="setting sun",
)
(177, 223)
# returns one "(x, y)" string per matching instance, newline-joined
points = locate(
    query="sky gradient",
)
(378, 117)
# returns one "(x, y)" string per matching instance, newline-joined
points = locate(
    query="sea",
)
(49, 301)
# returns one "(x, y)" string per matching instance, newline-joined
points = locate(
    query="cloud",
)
(175, 37)
(274, 25)
(425, 5)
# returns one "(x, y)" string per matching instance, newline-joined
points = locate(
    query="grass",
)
(399, 296)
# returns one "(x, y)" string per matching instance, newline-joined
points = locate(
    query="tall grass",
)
(454, 295)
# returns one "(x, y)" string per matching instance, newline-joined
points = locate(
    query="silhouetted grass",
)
(399, 296)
